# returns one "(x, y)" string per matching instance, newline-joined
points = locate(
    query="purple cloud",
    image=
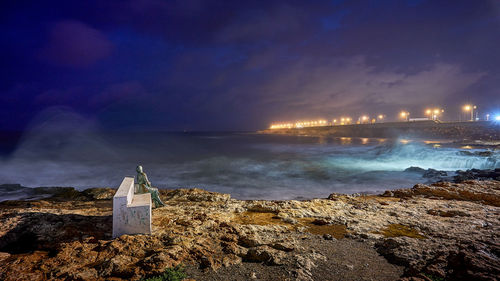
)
(75, 44)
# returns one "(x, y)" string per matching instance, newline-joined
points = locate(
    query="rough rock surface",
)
(443, 230)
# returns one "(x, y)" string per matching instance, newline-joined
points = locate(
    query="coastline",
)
(480, 132)
(442, 230)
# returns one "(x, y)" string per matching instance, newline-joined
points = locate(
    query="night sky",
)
(239, 65)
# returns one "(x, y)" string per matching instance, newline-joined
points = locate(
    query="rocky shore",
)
(441, 231)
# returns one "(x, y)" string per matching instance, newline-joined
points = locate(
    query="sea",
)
(244, 164)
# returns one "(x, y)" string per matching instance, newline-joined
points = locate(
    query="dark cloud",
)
(75, 44)
(226, 65)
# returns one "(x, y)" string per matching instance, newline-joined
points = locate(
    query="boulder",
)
(413, 169)
(264, 254)
(432, 173)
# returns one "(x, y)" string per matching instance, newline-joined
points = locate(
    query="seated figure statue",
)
(145, 186)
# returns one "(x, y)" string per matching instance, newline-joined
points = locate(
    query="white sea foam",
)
(246, 166)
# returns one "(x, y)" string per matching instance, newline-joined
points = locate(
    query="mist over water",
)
(248, 166)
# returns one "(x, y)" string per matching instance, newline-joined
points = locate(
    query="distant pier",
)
(480, 130)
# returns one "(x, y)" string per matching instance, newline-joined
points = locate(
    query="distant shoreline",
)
(469, 131)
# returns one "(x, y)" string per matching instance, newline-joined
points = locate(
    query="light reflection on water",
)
(247, 166)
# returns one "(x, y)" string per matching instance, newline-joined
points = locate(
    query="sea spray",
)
(74, 152)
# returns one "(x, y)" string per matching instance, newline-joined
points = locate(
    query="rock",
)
(4, 256)
(465, 153)
(68, 238)
(264, 254)
(388, 193)
(320, 222)
(413, 169)
(283, 246)
(431, 173)
(99, 193)
(197, 195)
(250, 241)
(290, 220)
(471, 191)
(328, 237)
(486, 153)
(207, 262)
(447, 213)
(259, 208)
(475, 174)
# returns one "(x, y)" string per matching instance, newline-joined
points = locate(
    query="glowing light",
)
(381, 116)
(497, 118)
(405, 115)
(428, 112)
(472, 109)
(299, 124)
(436, 111)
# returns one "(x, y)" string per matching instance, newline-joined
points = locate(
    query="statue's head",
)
(139, 169)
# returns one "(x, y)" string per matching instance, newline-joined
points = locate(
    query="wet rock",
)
(413, 169)
(431, 173)
(465, 153)
(486, 153)
(476, 174)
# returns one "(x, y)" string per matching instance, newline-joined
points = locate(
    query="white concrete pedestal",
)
(131, 213)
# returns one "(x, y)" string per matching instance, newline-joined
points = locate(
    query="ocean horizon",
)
(245, 165)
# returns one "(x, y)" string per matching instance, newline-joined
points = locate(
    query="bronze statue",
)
(145, 186)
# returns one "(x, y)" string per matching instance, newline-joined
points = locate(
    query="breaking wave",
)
(245, 165)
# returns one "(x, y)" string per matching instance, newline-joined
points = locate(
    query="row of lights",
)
(472, 108)
(432, 114)
(300, 124)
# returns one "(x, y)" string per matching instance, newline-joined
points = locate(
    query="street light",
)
(428, 112)
(405, 115)
(470, 108)
(380, 117)
(436, 112)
